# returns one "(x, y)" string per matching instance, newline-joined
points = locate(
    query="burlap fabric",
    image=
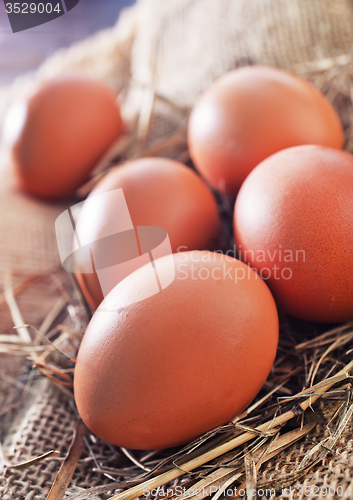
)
(178, 47)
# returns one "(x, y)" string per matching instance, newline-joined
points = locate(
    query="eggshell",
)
(159, 192)
(164, 370)
(251, 113)
(59, 133)
(293, 222)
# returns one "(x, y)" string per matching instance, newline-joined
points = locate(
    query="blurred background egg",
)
(159, 192)
(58, 134)
(251, 113)
(162, 371)
(293, 222)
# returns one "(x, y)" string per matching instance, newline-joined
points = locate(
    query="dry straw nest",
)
(294, 435)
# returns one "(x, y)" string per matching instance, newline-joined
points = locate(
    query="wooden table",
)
(25, 51)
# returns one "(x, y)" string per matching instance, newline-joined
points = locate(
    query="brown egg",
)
(159, 192)
(293, 222)
(251, 113)
(60, 132)
(160, 372)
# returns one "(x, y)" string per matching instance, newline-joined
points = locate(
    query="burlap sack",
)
(176, 47)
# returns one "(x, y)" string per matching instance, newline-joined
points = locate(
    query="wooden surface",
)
(25, 51)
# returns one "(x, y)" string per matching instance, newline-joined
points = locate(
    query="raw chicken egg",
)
(162, 371)
(251, 113)
(159, 192)
(293, 222)
(59, 133)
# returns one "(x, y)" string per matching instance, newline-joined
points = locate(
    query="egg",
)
(293, 222)
(250, 114)
(159, 372)
(158, 192)
(59, 132)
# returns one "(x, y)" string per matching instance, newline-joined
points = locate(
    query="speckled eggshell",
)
(162, 371)
(293, 222)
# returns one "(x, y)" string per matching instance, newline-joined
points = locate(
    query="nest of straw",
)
(307, 398)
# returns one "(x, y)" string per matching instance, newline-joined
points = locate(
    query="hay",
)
(291, 410)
